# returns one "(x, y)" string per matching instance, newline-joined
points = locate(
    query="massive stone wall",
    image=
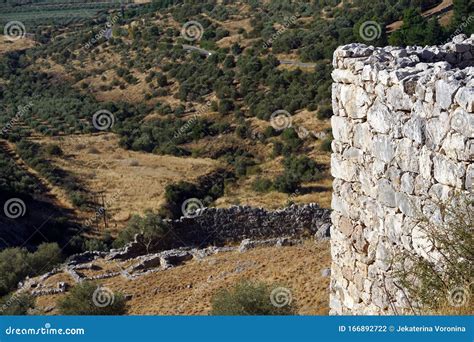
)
(403, 141)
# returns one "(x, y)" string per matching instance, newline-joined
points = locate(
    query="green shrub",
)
(250, 298)
(90, 299)
(54, 150)
(433, 284)
(17, 263)
(152, 229)
(262, 185)
(16, 304)
(326, 144)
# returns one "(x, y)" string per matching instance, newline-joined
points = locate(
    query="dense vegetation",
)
(188, 101)
(18, 263)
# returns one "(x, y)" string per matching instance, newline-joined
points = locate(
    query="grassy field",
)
(188, 289)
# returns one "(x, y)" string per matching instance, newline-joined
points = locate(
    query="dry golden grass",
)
(188, 289)
(20, 44)
(133, 181)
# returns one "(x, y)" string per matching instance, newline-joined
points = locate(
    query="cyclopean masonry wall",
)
(403, 141)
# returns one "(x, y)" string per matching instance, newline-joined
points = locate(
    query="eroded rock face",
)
(404, 139)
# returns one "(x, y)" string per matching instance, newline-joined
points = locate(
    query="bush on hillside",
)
(439, 280)
(152, 229)
(252, 298)
(16, 304)
(90, 299)
(17, 263)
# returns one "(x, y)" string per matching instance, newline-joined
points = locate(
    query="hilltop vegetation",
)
(247, 94)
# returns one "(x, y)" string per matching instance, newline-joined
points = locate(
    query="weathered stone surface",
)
(445, 93)
(465, 98)
(383, 148)
(447, 172)
(406, 145)
(379, 117)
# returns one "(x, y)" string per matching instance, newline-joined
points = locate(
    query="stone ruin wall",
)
(221, 226)
(403, 141)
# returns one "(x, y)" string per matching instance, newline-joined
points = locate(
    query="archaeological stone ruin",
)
(403, 129)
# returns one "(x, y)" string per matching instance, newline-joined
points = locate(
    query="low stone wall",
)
(223, 225)
(218, 226)
(403, 129)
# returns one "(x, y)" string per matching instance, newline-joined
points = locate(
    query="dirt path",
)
(53, 195)
(443, 7)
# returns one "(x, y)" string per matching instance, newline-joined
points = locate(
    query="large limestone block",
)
(379, 117)
(445, 92)
(465, 98)
(407, 156)
(386, 193)
(341, 128)
(383, 148)
(414, 129)
(447, 172)
(398, 99)
(355, 101)
(344, 169)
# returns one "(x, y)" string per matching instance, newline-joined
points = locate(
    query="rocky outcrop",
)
(403, 129)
